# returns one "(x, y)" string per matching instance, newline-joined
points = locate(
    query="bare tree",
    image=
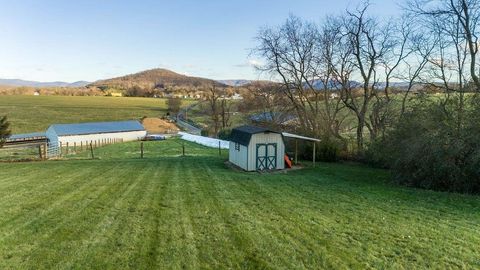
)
(368, 52)
(456, 24)
(213, 99)
(225, 112)
(173, 105)
(269, 100)
(293, 53)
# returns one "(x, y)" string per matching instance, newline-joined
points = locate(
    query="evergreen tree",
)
(4, 130)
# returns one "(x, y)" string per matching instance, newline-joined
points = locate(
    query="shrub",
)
(434, 146)
(327, 150)
(224, 134)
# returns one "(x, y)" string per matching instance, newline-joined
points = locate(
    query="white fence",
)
(206, 141)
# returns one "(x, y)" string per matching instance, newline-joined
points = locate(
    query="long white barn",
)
(95, 131)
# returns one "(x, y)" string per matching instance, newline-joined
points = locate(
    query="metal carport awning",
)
(299, 137)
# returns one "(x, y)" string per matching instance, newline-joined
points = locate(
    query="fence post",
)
(95, 143)
(40, 151)
(81, 146)
(141, 150)
(219, 149)
(75, 147)
(91, 150)
(61, 152)
(44, 151)
(67, 149)
(183, 148)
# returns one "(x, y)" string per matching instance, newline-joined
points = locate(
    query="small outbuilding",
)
(61, 134)
(256, 149)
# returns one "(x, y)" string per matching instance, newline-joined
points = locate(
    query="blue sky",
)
(95, 39)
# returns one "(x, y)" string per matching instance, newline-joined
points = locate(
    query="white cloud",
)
(250, 63)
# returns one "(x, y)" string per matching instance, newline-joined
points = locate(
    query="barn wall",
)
(266, 138)
(52, 136)
(126, 136)
(238, 158)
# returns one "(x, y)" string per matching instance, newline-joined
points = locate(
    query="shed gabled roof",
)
(96, 127)
(243, 134)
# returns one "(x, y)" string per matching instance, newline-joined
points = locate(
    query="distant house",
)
(277, 118)
(235, 96)
(256, 149)
(95, 131)
(116, 94)
(334, 95)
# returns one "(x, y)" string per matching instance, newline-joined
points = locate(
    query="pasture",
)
(36, 113)
(173, 212)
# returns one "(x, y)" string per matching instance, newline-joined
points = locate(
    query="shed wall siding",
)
(238, 158)
(265, 138)
(126, 136)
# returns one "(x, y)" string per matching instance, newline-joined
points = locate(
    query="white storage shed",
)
(256, 149)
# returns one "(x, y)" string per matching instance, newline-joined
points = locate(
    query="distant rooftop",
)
(271, 117)
(96, 127)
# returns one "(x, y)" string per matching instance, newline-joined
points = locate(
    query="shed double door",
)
(266, 156)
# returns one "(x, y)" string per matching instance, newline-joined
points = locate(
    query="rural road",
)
(189, 128)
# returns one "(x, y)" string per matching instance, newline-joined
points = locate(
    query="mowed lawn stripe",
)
(39, 198)
(268, 225)
(193, 212)
(61, 219)
(101, 242)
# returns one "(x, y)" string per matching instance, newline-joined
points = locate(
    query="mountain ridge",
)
(28, 83)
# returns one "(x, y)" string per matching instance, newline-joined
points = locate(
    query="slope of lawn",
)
(171, 212)
(36, 113)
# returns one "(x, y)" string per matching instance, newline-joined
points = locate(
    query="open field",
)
(36, 113)
(192, 212)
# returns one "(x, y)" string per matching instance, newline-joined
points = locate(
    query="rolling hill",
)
(156, 79)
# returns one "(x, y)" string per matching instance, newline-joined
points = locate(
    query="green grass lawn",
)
(171, 212)
(36, 113)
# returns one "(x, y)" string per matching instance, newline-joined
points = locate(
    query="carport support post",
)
(314, 154)
(296, 151)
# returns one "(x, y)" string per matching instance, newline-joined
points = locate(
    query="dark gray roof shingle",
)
(243, 134)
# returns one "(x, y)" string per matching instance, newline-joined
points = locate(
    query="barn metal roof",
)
(243, 134)
(96, 127)
(27, 136)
